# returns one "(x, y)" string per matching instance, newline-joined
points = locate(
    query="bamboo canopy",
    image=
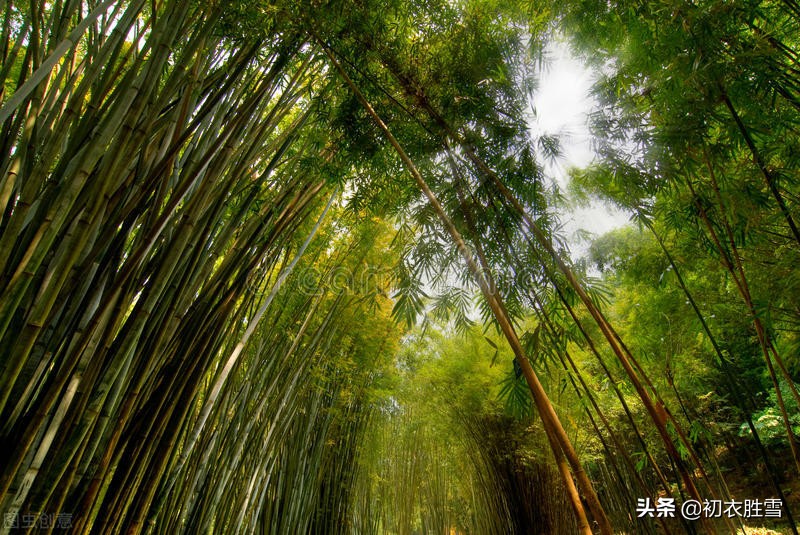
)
(227, 228)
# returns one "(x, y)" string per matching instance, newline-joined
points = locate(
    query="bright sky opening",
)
(562, 105)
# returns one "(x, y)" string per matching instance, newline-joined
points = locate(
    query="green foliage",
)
(768, 421)
(161, 174)
(515, 395)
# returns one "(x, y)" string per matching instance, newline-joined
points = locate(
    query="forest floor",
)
(746, 479)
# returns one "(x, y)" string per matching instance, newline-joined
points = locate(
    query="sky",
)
(562, 103)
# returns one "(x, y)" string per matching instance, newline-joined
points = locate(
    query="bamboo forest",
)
(310, 267)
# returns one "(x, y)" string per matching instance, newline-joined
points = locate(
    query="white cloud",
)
(561, 106)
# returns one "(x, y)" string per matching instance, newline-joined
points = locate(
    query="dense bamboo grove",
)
(278, 267)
